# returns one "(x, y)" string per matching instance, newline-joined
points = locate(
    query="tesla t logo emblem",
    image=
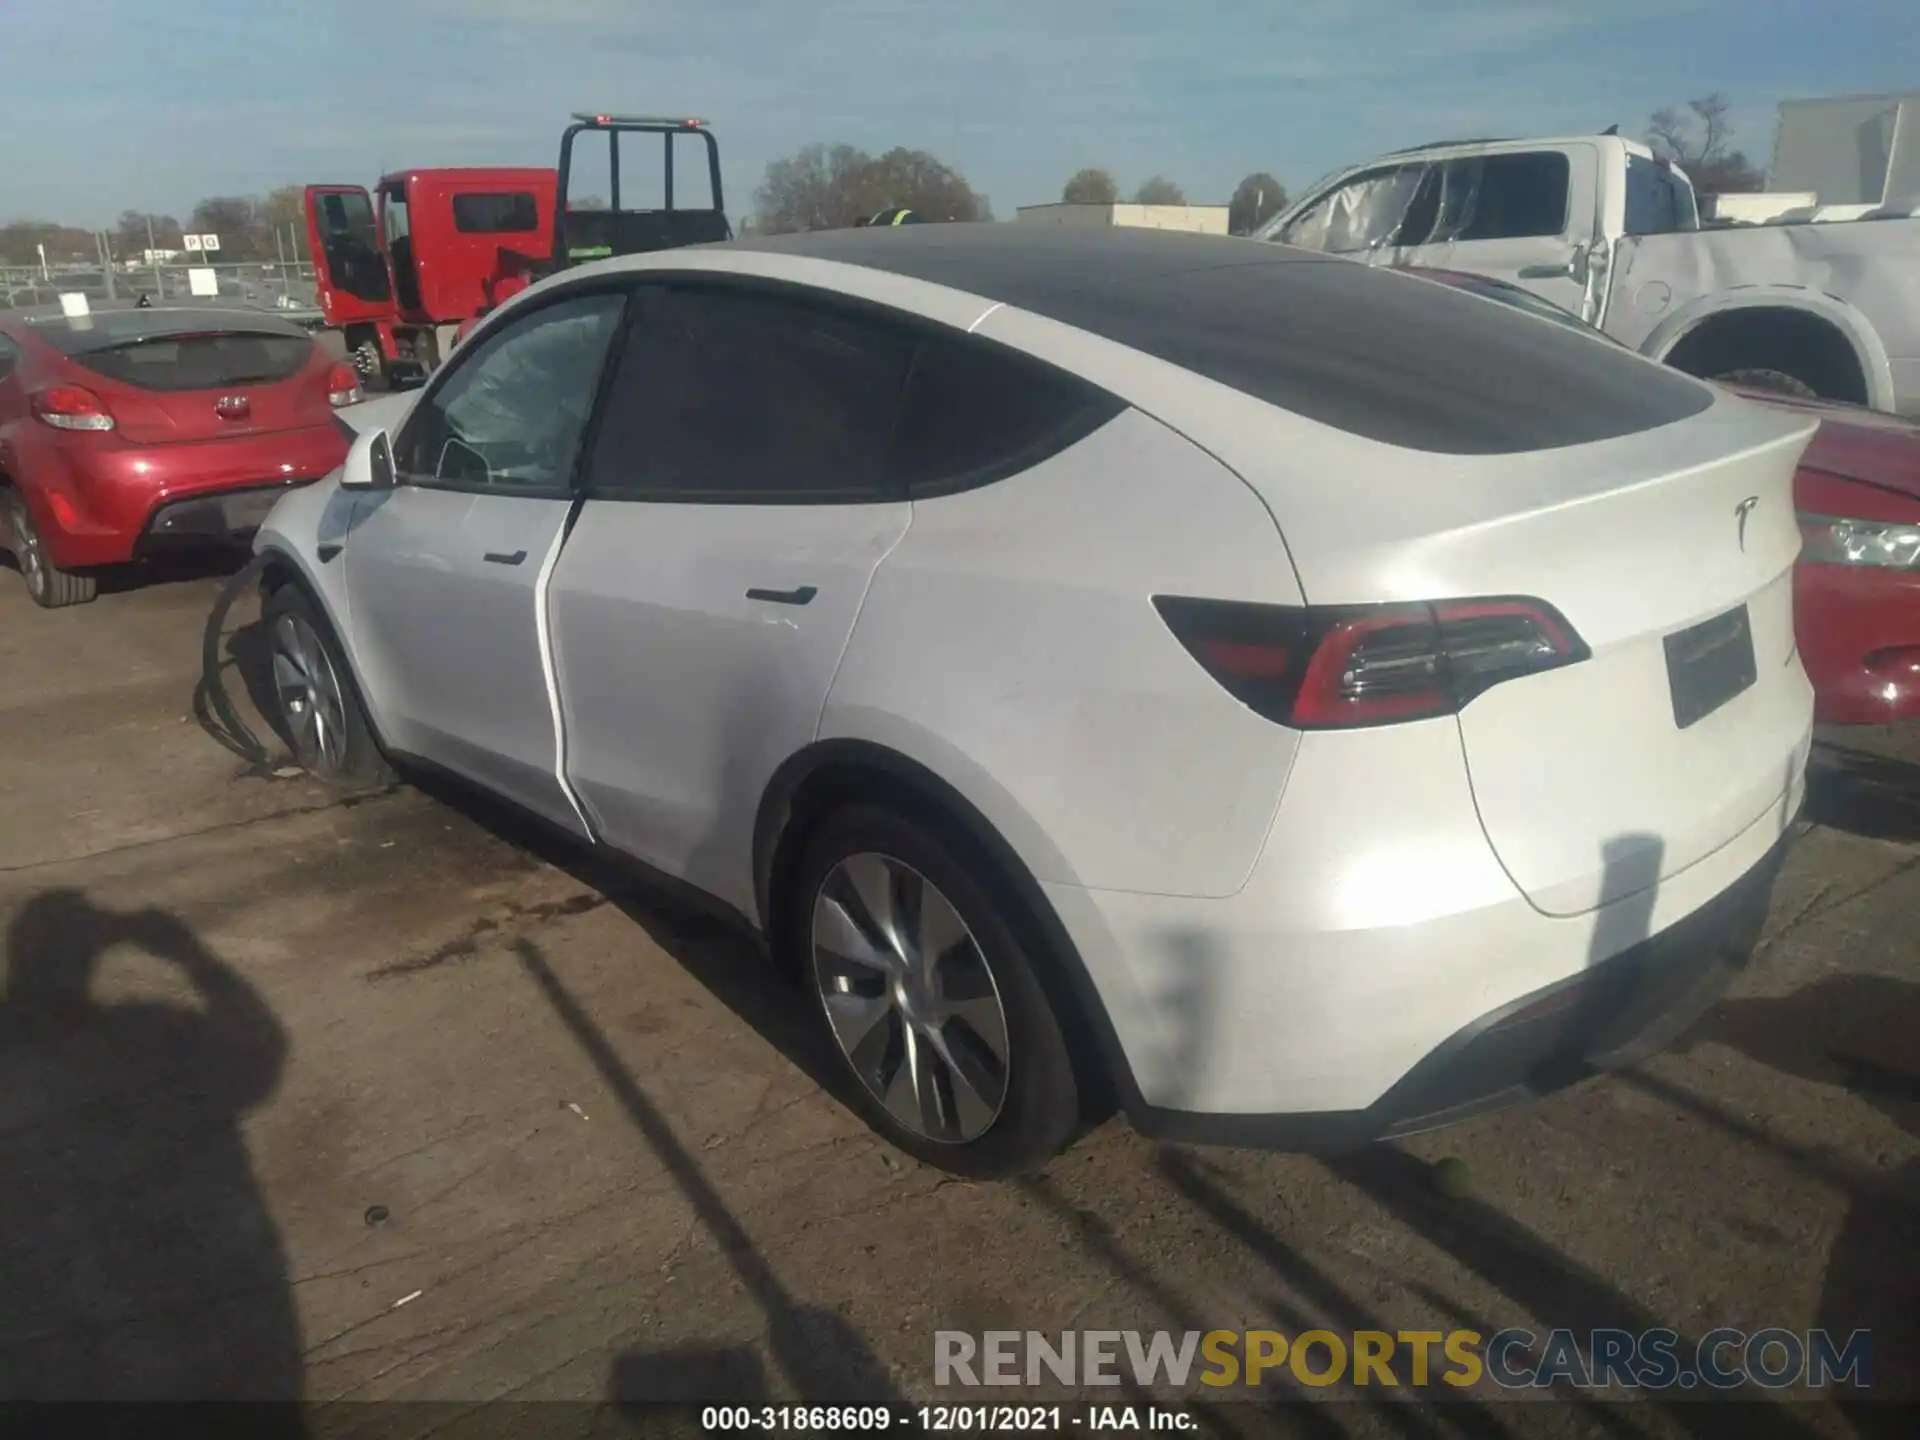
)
(1741, 512)
(232, 407)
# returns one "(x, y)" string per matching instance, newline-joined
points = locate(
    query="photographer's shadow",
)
(137, 1256)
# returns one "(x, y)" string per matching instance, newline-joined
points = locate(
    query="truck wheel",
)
(50, 587)
(372, 366)
(1778, 381)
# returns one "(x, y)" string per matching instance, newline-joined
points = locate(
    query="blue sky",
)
(117, 104)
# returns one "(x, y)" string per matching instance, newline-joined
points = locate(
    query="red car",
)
(126, 432)
(1857, 586)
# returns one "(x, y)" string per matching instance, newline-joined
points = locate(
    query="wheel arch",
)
(830, 774)
(1786, 306)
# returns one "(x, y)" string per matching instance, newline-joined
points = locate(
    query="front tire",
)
(929, 997)
(319, 711)
(50, 587)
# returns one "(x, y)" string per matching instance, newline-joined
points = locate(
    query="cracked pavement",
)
(388, 1100)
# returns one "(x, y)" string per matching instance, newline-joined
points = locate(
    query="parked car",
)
(127, 432)
(1857, 586)
(1602, 226)
(1300, 704)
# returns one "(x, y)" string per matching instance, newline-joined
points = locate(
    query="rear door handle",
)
(784, 597)
(496, 557)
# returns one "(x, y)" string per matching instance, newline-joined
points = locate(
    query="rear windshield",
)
(200, 362)
(484, 214)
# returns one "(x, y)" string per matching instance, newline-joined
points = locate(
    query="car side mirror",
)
(369, 463)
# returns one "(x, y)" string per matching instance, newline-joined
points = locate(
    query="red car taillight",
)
(343, 385)
(72, 407)
(1342, 667)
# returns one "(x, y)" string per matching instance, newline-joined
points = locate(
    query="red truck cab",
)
(400, 270)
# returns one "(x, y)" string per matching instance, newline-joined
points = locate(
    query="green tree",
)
(1159, 191)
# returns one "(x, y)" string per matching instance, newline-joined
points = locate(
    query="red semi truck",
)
(403, 271)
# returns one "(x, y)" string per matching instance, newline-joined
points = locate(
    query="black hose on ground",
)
(244, 740)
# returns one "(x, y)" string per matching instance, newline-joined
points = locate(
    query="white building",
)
(1199, 219)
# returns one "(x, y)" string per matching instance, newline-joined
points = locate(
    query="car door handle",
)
(784, 597)
(1547, 272)
(497, 557)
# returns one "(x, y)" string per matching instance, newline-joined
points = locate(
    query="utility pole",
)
(153, 257)
(106, 261)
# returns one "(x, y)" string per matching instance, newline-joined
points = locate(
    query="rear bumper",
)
(225, 517)
(1616, 1013)
(97, 500)
(1380, 973)
(1859, 633)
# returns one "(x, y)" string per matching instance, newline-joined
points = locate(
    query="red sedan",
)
(1857, 586)
(126, 432)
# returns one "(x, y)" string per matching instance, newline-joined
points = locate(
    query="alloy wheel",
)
(309, 695)
(911, 998)
(26, 547)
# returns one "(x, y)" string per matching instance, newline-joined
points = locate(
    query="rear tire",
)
(1777, 381)
(50, 587)
(319, 711)
(956, 1055)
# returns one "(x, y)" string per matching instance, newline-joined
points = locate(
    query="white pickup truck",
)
(1602, 227)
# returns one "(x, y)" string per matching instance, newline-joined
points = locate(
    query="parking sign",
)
(192, 242)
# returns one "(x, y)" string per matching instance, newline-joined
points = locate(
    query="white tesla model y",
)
(1295, 702)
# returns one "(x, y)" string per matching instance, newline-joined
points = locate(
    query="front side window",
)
(481, 214)
(735, 394)
(9, 356)
(1367, 211)
(511, 415)
(1504, 197)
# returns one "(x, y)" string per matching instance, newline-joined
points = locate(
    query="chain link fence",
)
(283, 288)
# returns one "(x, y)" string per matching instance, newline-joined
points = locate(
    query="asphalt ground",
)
(385, 1099)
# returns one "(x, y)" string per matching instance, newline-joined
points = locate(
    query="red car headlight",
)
(1885, 544)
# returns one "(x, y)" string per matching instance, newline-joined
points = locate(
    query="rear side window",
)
(200, 362)
(740, 395)
(1505, 197)
(975, 412)
(513, 214)
(1653, 199)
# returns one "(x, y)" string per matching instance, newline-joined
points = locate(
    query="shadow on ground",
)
(137, 1256)
(1863, 793)
(1860, 1033)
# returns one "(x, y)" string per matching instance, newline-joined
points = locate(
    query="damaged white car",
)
(1603, 227)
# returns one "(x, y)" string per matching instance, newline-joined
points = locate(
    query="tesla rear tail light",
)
(343, 384)
(1342, 667)
(72, 407)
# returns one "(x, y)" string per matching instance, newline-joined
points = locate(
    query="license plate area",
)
(1708, 664)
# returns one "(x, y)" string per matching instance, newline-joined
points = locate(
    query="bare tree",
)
(1256, 200)
(130, 232)
(1698, 138)
(826, 188)
(1091, 186)
(236, 219)
(1159, 191)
